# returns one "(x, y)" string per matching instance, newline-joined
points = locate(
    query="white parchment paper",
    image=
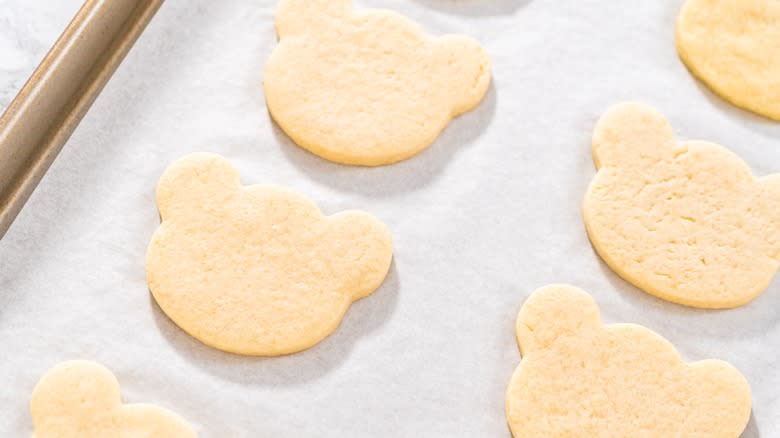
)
(485, 216)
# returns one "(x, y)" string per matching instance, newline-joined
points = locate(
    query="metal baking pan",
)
(59, 93)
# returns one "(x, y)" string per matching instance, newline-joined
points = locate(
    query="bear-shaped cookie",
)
(684, 221)
(81, 399)
(581, 378)
(732, 46)
(257, 270)
(367, 88)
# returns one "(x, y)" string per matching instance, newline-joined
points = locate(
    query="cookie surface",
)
(81, 399)
(368, 87)
(732, 45)
(580, 378)
(684, 221)
(257, 270)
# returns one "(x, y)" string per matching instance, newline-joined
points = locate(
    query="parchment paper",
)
(485, 216)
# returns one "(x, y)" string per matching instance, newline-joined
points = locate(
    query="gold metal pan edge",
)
(49, 107)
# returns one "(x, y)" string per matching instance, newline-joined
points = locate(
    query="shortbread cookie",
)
(369, 87)
(257, 270)
(80, 399)
(732, 45)
(684, 221)
(580, 378)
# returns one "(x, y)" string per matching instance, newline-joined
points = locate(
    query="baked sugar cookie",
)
(732, 45)
(368, 87)
(684, 221)
(80, 399)
(580, 378)
(257, 270)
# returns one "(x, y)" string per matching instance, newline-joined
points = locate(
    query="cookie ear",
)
(70, 388)
(722, 391)
(464, 70)
(296, 17)
(194, 182)
(553, 311)
(632, 134)
(361, 253)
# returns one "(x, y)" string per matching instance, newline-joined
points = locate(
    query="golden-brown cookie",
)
(257, 270)
(581, 378)
(367, 87)
(684, 221)
(732, 45)
(80, 399)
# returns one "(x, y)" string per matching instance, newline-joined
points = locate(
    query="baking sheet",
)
(485, 216)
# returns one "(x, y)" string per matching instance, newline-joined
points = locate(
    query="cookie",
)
(369, 87)
(81, 399)
(580, 378)
(257, 270)
(684, 221)
(731, 45)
